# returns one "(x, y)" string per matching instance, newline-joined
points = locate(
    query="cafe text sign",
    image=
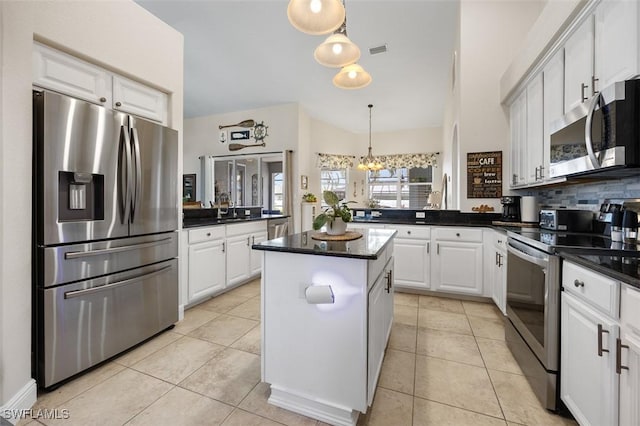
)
(484, 174)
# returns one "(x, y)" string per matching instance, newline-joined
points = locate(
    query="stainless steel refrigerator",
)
(105, 245)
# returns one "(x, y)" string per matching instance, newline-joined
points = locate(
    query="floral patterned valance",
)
(335, 161)
(399, 161)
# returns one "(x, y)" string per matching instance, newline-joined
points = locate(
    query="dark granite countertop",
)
(625, 269)
(431, 217)
(211, 221)
(369, 246)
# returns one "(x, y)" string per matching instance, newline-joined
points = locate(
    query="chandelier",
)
(337, 51)
(370, 162)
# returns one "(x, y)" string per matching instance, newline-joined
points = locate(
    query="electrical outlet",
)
(375, 213)
(247, 212)
(420, 215)
(360, 213)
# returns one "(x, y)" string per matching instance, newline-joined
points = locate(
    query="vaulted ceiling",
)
(244, 54)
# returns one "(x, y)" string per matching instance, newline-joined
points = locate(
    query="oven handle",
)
(542, 262)
(588, 140)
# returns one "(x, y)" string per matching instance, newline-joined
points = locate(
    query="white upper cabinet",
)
(534, 122)
(518, 125)
(616, 42)
(138, 99)
(71, 76)
(553, 103)
(578, 70)
(65, 74)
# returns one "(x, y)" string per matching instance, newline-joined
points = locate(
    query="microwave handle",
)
(588, 140)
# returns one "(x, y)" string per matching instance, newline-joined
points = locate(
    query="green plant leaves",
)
(319, 221)
(330, 198)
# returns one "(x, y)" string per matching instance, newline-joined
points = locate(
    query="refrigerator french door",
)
(105, 215)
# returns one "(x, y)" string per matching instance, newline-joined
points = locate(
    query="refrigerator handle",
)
(78, 293)
(125, 175)
(135, 199)
(100, 252)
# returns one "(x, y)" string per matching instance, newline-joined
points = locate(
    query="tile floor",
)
(446, 364)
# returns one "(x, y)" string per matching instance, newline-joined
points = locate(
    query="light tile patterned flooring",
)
(446, 364)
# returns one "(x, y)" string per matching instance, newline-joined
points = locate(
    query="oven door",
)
(533, 287)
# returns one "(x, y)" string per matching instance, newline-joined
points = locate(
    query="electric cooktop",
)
(554, 241)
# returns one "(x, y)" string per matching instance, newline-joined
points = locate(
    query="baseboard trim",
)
(180, 312)
(22, 401)
(314, 408)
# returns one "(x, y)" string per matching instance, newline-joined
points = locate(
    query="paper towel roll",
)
(529, 209)
(319, 294)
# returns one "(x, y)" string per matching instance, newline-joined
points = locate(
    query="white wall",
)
(106, 33)
(490, 34)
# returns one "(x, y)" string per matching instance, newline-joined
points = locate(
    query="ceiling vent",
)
(378, 49)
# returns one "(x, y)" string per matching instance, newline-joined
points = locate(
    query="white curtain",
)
(288, 188)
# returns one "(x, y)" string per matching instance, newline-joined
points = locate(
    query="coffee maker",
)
(510, 208)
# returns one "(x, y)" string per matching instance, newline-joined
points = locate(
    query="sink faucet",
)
(223, 203)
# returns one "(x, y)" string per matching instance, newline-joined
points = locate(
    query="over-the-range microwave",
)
(599, 136)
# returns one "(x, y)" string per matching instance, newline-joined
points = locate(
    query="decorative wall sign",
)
(304, 182)
(223, 136)
(260, 132)
(240, 135)
(484, 174)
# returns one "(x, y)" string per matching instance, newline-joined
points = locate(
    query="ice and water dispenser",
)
(80, 196)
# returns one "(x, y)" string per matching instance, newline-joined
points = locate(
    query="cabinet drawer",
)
(630, 307)
(459, 234)
(246, 228)
(206, 234)
(500, 240)
(416, 232)
(375, 267)
(600, 291)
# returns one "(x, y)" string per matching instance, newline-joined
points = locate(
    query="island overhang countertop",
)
(369, 246)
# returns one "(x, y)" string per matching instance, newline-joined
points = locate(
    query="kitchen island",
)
(327, 309)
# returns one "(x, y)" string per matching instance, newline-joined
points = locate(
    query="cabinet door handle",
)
(536, 178)
(248, 241)
(541, 172)
(497, 254)
(118, 104)
(103, 99)
(457, 234)
(619, 366)
(600, 331)
(223, 247)
(208, 234)
(428, 247)
(253, 239)
(582, 87)
(408, 232)
(593, 85)
(578, 283)
(437, 248)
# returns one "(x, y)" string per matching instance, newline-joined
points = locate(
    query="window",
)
(334, 180)
(401, 188)
(277, 191)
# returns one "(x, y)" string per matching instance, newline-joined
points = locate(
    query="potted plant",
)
(335, 216)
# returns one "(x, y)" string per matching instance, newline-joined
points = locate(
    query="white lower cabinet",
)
(238, 259)
(496, 268)
(588, 379)
(380, 318)
(218, 257)
(456, 262)
(256, 256)
(412, 264)
(206, 269)
(628, 353)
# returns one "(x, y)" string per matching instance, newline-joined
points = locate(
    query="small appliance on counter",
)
(510, 208)
(529, 209)
(566, 220)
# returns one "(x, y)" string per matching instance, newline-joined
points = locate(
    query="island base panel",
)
(314, 408)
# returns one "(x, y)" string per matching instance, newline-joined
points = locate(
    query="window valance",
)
(335, 161)
(399, 161)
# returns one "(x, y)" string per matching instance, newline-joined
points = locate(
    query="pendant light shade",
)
(370, 162)
(337, 51)
(316, 17)
(352, 77)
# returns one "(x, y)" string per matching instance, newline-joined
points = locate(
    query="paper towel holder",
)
(319, 295)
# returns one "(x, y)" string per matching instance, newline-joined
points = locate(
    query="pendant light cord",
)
(370, 106)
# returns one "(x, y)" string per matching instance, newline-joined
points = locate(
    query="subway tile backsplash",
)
(586, 195)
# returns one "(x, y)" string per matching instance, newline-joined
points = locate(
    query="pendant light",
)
(352, 77)
(370, 162)
(316, 17)
(337, 50)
